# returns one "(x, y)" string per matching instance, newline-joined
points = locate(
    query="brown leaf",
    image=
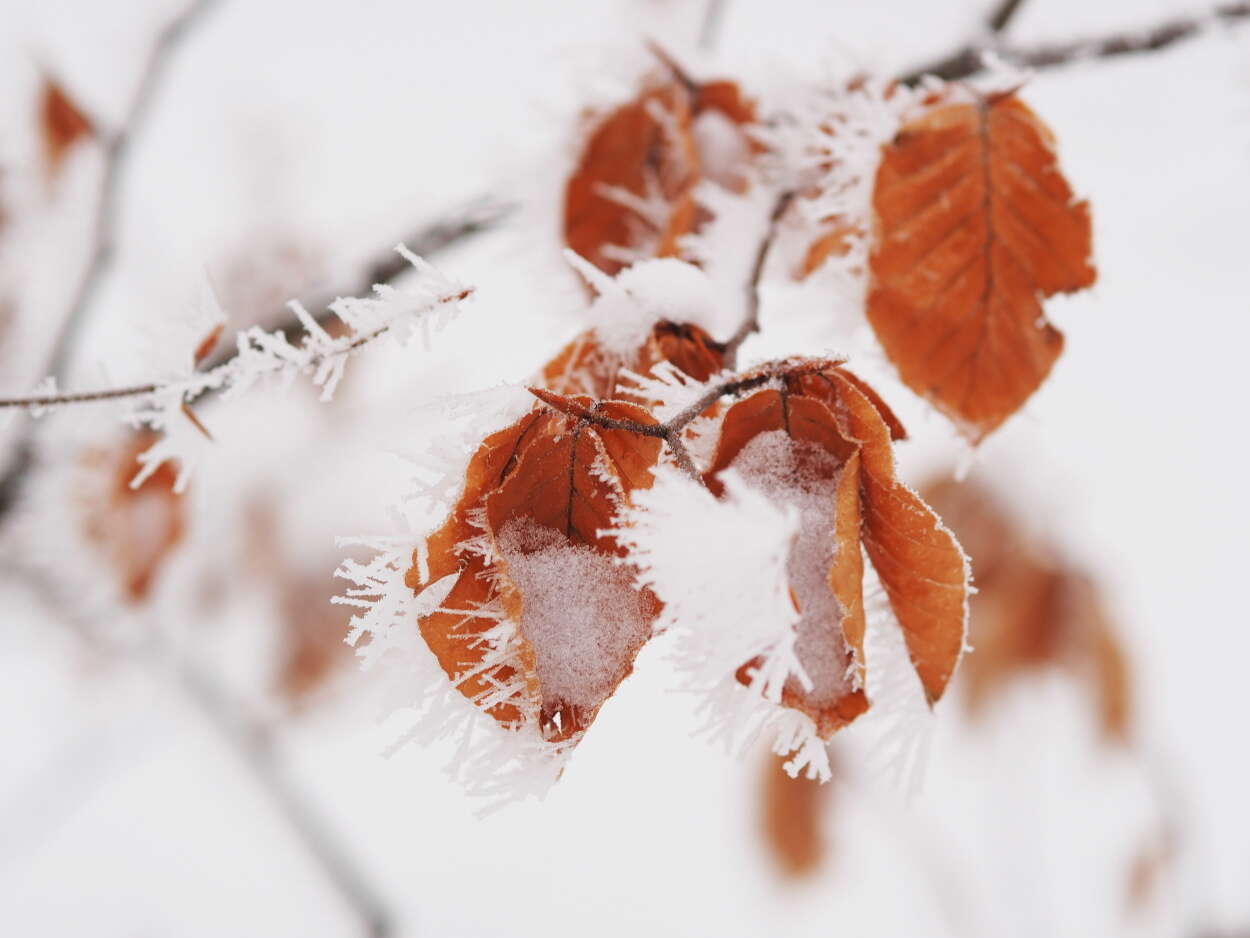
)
(974, 224)
(61, 125)
(312, 647)
(652, 151)
(526, 540)
(137, 528)
(1032, 610)
(919, 562)
(585, 367)
(582, 619)
(792, 816)
(644, 149)
(791, 447)
(207, 344)
(834, 241)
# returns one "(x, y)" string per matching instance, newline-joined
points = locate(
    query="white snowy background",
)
(331, 130)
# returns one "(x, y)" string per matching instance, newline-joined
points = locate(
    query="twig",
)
(670, 430)
(751, 322)
(103, 226)
(472, 218)
(1002, 15)
(226, 374)
(116, 153)
(251, 741)
(969, 60)
(709, 29)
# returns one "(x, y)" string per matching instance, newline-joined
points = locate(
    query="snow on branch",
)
(413, 310)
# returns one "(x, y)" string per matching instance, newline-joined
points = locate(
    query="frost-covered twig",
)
(970, 59)
(476, 216)
(751, 322)
(670, 431)
(259, 353)
(117, 148)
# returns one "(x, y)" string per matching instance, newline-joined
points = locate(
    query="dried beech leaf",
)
(790, 446)
(792, 816)
(1031, 610)
(581, 618)
(637, 164)
(584, 367)
(61, 125)
(455, 631)
(207, 344)
(974, 225)
(918, 560)
(631, 196)
(525, 543)
(137, 528)
(835, 241)
(312, 646)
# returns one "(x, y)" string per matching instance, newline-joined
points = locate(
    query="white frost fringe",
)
(490, 761)
(726, 601)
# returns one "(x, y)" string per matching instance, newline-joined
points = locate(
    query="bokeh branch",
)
(971, 58)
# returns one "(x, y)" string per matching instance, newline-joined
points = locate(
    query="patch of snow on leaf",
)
(628, 306)
(719, 566)
(581, 613)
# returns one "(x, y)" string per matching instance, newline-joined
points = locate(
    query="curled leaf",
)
(974, 225)
(793, 810)
(136, 528)
(920, 564)
(61, 125)
(631, 196)
(1032, 610)
(536, 571)
(791, 448)
(586, 367)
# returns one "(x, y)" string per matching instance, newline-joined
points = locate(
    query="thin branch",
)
(117, 149)
(251, 740)
(709, 29)
(970, 59)
(751, 322)
(226, 374)
(1002, 15)
(670, 430)
(472, 218)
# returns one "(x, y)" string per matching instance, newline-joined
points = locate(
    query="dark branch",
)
(117, 149)
(1002, 15)
(709, 29)
(969, 60)
(474, 217)
(670, 430)
(751, 322)
(205, 383)
(252, 742)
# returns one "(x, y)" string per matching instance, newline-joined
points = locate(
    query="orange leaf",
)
(918, 561)
(642, 150)
(1031, 611)
(584, 367)
(974, 224)
(61, 125)
(632, 193)
(580, 616)
(137, 528)
(208, 343)
(793, 811)
(526, 543)
(792, 448)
